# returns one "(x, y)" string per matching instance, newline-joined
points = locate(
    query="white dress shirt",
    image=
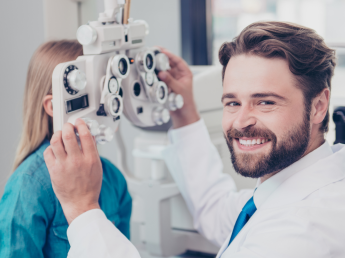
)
(300, 210)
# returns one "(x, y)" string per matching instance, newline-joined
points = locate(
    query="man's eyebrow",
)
(228, 96)
(255, 95)
(267, 94)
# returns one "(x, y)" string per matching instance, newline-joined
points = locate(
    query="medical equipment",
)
(116, 74)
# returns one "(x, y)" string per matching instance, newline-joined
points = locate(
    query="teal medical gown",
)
(32, 223)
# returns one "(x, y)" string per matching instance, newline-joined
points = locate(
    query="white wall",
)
(63, 17)
(21, 33)
(164, 20)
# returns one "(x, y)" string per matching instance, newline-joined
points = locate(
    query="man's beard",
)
(290, 149)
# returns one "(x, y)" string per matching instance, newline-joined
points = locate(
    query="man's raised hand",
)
(76, 173)
(180, 79)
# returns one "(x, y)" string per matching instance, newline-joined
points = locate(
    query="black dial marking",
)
(65, 82)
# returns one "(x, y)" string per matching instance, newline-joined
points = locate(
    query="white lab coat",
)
(300, 210)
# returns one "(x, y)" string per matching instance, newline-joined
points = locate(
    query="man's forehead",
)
(251, 73)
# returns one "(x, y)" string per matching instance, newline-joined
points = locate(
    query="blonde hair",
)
(37, 124)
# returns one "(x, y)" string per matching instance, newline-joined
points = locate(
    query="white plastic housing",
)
(115, 37)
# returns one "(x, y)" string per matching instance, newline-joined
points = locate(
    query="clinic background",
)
(173, 24)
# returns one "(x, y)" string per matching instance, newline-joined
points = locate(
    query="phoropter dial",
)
(159, 92)
(149, 78)
(102, 133)
(74, 80)
(86, 35)
(175, 101)
(114, 105)
(120, 66)
(146, 61)
(162, 62)
(113, 85)
(106, 134)
(160, 116)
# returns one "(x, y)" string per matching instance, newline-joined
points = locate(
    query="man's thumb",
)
(169, 80)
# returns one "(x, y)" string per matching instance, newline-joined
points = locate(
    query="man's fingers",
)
(173, 59)
(57, 145)
(170, 81)
(179, 67)
(70, 140)
(86, 139)
(49, 157)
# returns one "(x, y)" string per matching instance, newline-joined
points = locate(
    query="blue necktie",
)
(247, 211)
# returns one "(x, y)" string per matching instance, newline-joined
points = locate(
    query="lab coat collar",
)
(319, 168)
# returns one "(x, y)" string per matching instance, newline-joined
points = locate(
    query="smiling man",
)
(267, 119)
(276, 90)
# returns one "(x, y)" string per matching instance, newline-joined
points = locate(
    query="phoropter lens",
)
(161, 93)
(149, 61)
(115, 105)
(123, 66)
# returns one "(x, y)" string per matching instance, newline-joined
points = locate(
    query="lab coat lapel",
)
(323, 172)
(224, 246)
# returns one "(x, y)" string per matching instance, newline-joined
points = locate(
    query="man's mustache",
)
(252, 132)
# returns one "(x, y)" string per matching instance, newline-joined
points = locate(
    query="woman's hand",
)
(180, 79)
(76, 173)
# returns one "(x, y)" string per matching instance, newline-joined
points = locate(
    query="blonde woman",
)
(32, 223)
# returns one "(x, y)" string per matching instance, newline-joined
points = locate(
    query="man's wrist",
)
(73, 211)
(185, 116)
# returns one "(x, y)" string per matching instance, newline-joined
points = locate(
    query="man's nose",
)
(244, 118)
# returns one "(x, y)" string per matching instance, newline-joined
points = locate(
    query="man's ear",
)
(320, 106)
(48, 105)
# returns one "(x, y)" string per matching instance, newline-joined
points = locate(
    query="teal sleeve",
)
(25, 211)
(125, 211)
(116, 180)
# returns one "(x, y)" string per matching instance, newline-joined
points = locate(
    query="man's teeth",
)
(253, 141)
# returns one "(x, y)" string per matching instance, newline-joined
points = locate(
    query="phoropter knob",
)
(76, 80)
(161, 116)
(175, 101)
(162, 62)
(106, 134)
(86, 35)
(92, 125)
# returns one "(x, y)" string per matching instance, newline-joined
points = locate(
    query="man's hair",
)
(309, 58)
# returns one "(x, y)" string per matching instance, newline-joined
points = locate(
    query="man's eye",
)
(232, 104)
(266, 103)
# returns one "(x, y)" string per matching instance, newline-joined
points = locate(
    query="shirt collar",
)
(265, 189)
(44, 145)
